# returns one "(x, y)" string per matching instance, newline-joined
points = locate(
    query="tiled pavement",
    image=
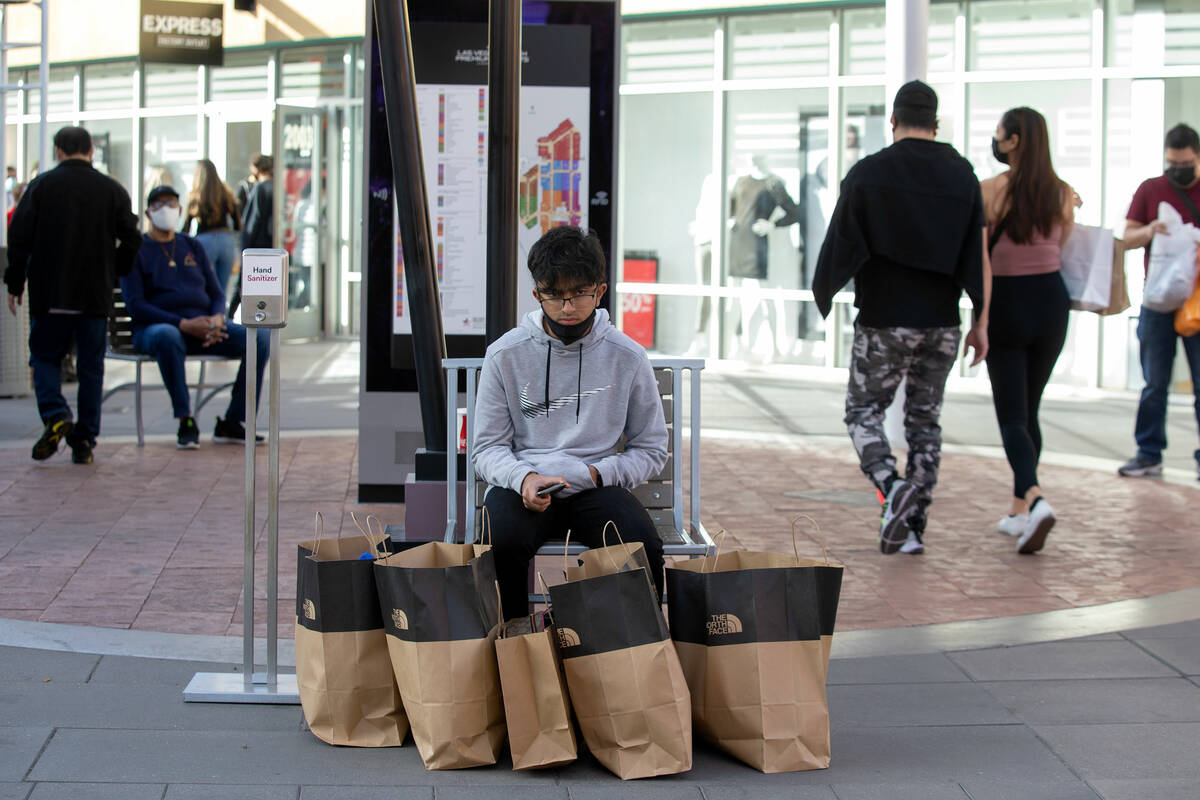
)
(151, 538)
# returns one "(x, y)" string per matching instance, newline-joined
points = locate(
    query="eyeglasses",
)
(580, 300)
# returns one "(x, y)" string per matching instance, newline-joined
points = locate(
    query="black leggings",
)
(1026, 331)
(517, 533)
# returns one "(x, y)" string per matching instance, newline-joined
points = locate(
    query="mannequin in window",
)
(703, 230)
(756, 197)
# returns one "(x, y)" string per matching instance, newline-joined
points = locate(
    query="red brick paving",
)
(152, 538)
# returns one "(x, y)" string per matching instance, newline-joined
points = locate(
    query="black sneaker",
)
(54, 433)
(1140, 467)
(189, 434)
(81, 452)
(900, 502)
(233, 433)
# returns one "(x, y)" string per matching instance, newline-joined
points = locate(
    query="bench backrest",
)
(120, 326)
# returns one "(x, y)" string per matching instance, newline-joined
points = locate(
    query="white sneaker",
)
(913, 545)
(1013, 524)
(1041, 520)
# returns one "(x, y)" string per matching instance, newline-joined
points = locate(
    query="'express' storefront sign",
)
(182, 33)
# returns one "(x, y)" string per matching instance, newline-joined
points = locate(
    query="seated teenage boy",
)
(178, 309)
(556, 395)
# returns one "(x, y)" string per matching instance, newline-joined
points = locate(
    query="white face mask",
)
(165, 218)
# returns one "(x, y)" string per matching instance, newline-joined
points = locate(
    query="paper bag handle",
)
(318, 532)
(485, 523)
(500, 610)
(369, 534)
(566, 548)
(718, 540)
(549, 605)
(821, 533)
(604, 543)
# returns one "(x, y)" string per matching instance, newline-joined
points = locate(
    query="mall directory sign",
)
(565, 151)
(170, 32)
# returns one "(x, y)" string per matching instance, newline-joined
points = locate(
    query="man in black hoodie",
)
(72, 235)
(908, 229)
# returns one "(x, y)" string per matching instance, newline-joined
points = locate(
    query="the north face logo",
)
(310, 609)
(722, 624)
(567, 637)
(399, 619)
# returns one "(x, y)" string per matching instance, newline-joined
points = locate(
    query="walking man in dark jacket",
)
(72, 234)
(908, 230)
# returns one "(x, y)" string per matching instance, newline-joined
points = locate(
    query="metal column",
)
(504, 90)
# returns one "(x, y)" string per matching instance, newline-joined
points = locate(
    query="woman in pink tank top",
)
(1030, 213)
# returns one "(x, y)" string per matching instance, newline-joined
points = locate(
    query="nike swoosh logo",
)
(530, 409)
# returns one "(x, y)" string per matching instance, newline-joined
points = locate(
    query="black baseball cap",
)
(159, 191)
(917, 96)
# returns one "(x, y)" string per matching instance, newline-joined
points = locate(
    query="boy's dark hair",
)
(73, 141)
(263, 163)
(1182, 137)
(567, 256)
(915, 106)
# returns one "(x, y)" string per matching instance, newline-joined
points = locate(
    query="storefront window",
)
(779, 194)
(108, 86)
(60, 92)
(779, 45)
(171, 146)
(667, 52)
(244, 77)
(1030, 34)
(313, 72)
(671, 207)
(171, 86)
(112, 140)
(941, 36)
(863, 50)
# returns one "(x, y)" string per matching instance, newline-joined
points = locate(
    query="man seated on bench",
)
(556, 394)
(178, 309)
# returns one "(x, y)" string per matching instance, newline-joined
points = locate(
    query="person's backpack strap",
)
(997, 232)
(1187, 202)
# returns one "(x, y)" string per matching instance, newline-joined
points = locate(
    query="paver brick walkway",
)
(151, 538)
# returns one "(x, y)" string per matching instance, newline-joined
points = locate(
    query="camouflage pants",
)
(881, 359)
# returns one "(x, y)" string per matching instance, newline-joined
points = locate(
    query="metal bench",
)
(663, 495)
(120, 348)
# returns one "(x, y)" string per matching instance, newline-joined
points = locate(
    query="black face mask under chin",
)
(1181, 176)
(1001, 157)
(569, 334)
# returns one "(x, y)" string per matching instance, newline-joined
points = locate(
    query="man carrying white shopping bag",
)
(1179, 187)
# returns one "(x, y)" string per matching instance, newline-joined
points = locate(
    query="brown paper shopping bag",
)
(626, 685)
(608, 558)
(754, 632)
(536, 708)
(343, 671)
(439, 609)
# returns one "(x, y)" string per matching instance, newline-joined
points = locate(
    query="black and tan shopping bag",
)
(343, 671)
(623, 675)
(440, 612)
(754, 632)
(537, 709)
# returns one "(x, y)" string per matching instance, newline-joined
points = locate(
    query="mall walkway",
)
(966, 672)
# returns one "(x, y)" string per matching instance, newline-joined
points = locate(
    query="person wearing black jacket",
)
(908, 230)
(71, 236)
(258, 217)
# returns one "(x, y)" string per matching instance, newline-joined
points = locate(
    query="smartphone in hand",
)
(553, 488)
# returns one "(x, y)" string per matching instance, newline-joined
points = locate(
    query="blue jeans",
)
(222, 252)
(169, 346)
(50, 337)
(1156, 338)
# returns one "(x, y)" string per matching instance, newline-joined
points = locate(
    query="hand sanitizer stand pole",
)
(264, 305)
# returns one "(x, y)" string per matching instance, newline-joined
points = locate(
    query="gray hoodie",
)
(555, 409)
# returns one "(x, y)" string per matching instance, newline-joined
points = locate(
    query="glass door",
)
(300, 197)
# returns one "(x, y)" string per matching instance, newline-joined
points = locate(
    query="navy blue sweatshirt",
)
(155, 292)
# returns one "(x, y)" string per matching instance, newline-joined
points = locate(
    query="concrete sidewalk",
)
(1112, 716)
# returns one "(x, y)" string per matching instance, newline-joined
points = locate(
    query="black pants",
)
(1026, 331)
(517, 533)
